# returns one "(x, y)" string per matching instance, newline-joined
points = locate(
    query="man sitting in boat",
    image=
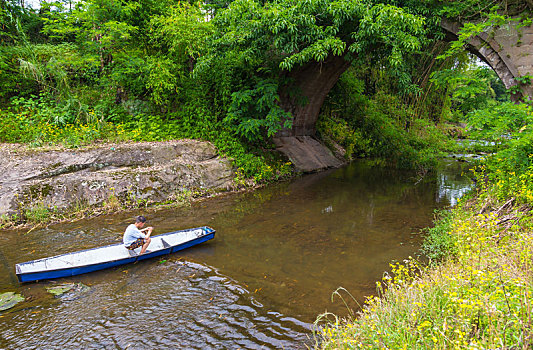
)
(134, 237)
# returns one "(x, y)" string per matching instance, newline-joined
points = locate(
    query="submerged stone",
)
(9, 299)
(68, 291)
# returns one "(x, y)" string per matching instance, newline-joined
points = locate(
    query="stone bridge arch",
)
(507, 50)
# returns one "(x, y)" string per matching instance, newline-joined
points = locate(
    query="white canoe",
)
(90, 260)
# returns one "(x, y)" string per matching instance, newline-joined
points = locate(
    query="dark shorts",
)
(138, 243)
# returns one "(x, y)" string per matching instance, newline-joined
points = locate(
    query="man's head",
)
(139, 221)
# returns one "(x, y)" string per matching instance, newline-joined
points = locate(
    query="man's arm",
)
(149, 229)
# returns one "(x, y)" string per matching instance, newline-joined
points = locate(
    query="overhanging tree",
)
(256, 46)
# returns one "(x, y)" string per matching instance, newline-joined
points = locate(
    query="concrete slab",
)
(306, 153)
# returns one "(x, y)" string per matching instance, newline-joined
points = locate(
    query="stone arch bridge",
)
(507, 50)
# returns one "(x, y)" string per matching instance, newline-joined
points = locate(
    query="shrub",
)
(499, 120)
(438, 243)
(509, 172)
(353, 141)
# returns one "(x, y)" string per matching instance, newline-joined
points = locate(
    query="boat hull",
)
(29, 276)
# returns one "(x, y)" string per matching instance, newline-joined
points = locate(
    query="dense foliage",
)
(113, 71)
(80, 71)
(194, 68)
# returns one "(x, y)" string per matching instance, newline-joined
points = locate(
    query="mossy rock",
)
(68, 291)
(9, 299)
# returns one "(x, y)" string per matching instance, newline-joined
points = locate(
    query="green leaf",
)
(68, 290)
(9, 299)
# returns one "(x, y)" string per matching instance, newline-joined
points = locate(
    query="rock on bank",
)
(134, 173)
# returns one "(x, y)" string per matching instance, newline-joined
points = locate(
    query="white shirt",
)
(131, 235)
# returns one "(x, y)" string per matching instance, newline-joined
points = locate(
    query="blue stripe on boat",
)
(95, 259)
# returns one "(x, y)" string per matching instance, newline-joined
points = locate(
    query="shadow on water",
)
(278, 255)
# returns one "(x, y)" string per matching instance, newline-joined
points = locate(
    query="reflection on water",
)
(277, 256)
(452, 183)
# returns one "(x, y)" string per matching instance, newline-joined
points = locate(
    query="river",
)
(278, 255)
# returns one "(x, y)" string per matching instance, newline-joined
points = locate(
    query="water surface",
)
(277, 256)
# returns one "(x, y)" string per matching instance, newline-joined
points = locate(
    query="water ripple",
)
(188, 305)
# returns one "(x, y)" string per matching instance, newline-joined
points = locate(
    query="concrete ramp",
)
(306, 153)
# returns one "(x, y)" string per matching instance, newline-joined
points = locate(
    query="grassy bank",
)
(477, 290)
(37, 123)
(479, 297)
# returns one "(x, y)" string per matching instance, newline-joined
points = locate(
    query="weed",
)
(438, 243)
(37, 213)
(112, 203)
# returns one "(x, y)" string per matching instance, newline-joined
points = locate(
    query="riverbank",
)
(479, 297)
(53, 184)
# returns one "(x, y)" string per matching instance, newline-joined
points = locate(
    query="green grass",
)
(37, 213)
(438, 243)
